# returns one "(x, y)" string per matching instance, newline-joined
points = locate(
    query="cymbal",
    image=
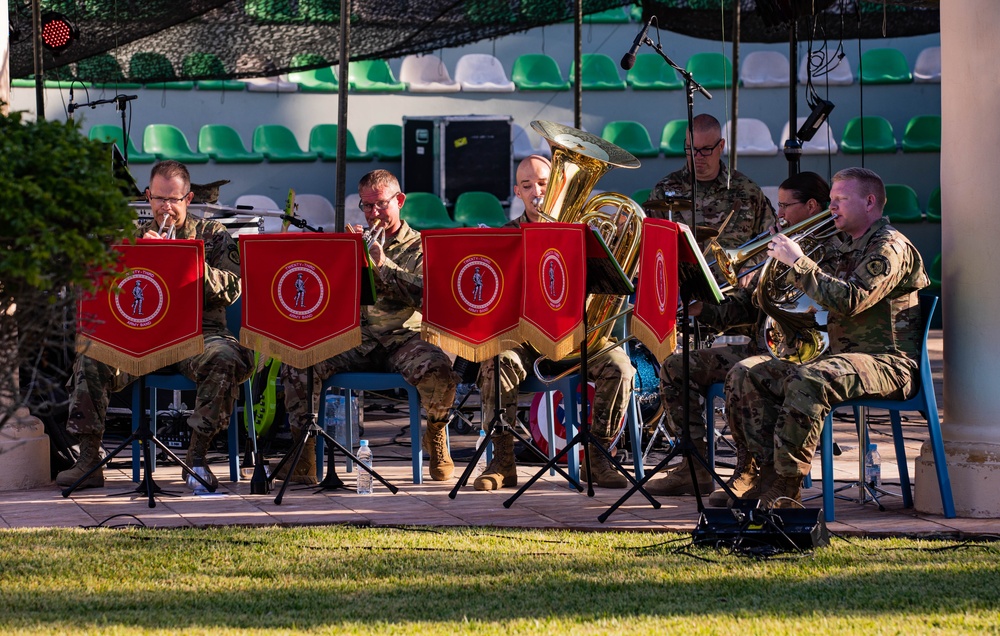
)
(704, 233)
(669, 204)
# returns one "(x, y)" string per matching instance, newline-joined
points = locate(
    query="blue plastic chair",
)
(925, 402)
(717, 390)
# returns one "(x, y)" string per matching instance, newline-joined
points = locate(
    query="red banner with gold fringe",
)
(554, 286)
(654, 319)
(472, 290)
(148, 314)
(301, 295)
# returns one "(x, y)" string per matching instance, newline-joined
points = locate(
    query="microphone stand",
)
(118, 100)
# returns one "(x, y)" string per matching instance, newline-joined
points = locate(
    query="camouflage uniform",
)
(218, 371)
(388, 343)
(874, 327)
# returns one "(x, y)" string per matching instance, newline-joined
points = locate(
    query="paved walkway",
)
(548, 504)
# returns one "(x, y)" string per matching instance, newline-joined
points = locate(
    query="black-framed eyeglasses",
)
(785, 206)
(704, 151)
(379, 205)
(170, 200)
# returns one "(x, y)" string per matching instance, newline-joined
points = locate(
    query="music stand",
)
(603, 276)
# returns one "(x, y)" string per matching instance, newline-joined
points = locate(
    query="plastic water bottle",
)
(364, 477)
(481, 465)
(873, 467)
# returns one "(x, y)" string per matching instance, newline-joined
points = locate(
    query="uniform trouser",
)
(217, 372)
(611, 374)
(706, 367)
(779, 407)
(422, 364)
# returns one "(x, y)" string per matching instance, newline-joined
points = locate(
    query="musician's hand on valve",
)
(784, 250)
(376, 254)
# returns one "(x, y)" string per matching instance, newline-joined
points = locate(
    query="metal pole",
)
(734, 121)
(577, 64)
(36, 49)
(343, 76)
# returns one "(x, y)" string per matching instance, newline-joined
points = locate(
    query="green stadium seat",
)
(154, 70)
(614, 15)
(923, 134)
(223, 144)
(635, 12)
(901, 204)
(109, 133)
(934, 206)
(323, 142)
(537, 72)
(878, 136)
(279, 145)
(474, 208)
(934, 273)
(208, 65)
(632, 136)
(373, 76)
(385, 142)
(426, 211)
(711, 70)
(673, 137)
(642, 195)
(651, 73)
(168, 142)
(600, 73)
(317, 80)
(884, 66)
(103, 70)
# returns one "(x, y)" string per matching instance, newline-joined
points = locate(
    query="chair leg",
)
(827, 460)
(418, 453)
(901, 463)
(234, 447)
(940, 464)
(635, 434)
(571, 421)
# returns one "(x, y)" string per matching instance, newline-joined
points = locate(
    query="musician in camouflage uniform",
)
(800, 197)
(611, 373)
(389, 343)
(218, 371)
(874, 327)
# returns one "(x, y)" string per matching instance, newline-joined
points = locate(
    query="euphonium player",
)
(218, 371)
(869, 288)
(611, 373)
(388, 343)
(799, 198)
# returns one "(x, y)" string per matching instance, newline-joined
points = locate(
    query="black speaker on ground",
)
(785, 528)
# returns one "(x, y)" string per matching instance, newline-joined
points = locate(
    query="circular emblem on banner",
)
(552, 275)
(477, 284)
(301, 290)
(143, 299)
(661, 282)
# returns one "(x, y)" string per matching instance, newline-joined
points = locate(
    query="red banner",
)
(554, 286)
(654, 319)
(472, 290)
(301, 295)
(148, 315)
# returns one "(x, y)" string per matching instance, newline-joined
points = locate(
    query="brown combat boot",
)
(785, 492)
(501, 471)
(677, 481)
(305, 470)
(90, 456)
(603, 472)
(435, 444)
(196, 457)
(746, 483)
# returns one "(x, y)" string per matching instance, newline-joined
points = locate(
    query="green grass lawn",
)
(339, 580)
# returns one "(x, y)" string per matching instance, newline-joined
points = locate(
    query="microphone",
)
(628, 60)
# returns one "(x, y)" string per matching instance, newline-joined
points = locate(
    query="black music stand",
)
(604, 276)
(695, 282)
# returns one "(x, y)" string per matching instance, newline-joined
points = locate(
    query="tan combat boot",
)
(747, 481)
(305, 470)
(90, 456)
(785, 492)
(501, 471)
(677, 481)
(435, 444)
(196, 456)
(603, 473)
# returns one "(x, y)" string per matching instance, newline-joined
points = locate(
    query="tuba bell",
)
(579, 160)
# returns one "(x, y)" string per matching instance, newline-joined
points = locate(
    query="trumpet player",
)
(800, 197)
(388, 342)
(218, 371)
(611, 373)
(869, 289)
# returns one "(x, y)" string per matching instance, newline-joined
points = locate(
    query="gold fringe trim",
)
(465, 349)
(645, 335)
(554, 349)
(142, 365)
(298, 358)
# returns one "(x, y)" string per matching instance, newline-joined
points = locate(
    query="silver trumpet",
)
(167, 232)
(374, 234)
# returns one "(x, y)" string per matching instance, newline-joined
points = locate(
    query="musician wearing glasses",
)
(721, 191)
(218, 371)
(869, 288)
(799, 198)
(611, 373)
(390, 342)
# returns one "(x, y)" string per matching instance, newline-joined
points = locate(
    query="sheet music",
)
(694, 271)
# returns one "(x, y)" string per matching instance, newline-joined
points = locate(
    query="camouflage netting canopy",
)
(163, 40)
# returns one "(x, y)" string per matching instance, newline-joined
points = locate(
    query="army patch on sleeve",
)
(234, 254)
(878, 265)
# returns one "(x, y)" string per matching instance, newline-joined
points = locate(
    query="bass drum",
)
(647, 384)
(538, 418)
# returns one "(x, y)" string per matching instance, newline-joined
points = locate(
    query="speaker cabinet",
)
(785, 528)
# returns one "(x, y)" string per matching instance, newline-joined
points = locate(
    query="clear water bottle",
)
(481, 465)
(364, 477)
(873, 467)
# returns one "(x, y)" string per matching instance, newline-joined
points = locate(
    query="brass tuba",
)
(579, 160)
